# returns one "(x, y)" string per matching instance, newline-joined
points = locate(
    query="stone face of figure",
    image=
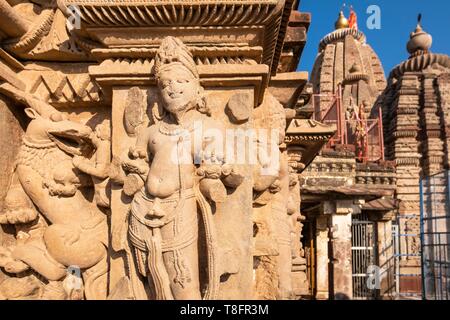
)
(178, 89)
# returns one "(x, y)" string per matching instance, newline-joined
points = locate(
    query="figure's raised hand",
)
(133, 166)
(232, 176)
(137, 153)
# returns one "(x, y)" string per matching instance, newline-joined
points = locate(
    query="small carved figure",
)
(361, 134)
(98, 167)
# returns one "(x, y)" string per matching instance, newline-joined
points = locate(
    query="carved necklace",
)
(169, 129)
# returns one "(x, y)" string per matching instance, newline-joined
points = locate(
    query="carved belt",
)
(156, 212)
(179, 241)
(143, 217)
(151, 243)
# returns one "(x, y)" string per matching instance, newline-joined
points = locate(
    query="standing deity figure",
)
(361, 134)
(172, 175)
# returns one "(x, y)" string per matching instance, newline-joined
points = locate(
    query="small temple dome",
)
(420, 56)
(420, 41)
(341, 22)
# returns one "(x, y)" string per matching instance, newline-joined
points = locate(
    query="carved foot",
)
(9, 263)
(16, 267)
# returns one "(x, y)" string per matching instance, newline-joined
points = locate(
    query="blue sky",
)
(398, 19)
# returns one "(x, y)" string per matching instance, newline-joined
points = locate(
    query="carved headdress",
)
(173, 51)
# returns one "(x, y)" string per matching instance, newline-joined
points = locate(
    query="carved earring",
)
(158, 112)
(201, 102)
(202, 107)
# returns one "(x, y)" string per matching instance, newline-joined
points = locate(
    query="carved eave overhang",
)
(307, 137)
(294, 41)
(287, 87)
(419, 63)
(388, 204)
(245, 36)
(321, 193)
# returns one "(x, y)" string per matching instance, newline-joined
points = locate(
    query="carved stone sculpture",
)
(272, 219)
(56, 225)
(129, 128)
(163, 220)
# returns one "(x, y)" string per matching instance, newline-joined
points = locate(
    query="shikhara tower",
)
(416, 120)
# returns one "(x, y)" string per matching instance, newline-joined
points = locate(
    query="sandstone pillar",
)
(341, 248)
(386, 257)
(322, 260)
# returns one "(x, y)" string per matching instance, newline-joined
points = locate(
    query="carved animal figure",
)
(76, 234)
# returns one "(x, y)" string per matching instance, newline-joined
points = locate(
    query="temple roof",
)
(340, 53)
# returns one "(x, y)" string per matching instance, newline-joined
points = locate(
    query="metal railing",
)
(365, 135)
(435, 236)
(407, 284)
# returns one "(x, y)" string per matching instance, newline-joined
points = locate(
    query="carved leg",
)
(181, 253)
(71, 246)
(182, 267)
(37, 257)
(168, 256)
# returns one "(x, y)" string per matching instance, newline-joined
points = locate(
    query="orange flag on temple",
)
(353, 20)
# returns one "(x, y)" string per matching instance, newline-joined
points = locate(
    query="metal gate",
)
(400, 236)
(435, 236)
(363, 256)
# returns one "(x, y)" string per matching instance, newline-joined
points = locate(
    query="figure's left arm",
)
(215, 173)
